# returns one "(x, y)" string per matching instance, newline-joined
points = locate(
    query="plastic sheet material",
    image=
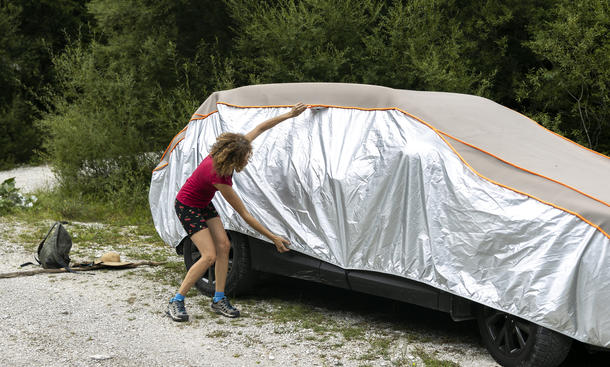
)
(381, 191)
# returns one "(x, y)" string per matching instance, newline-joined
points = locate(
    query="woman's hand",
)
(281, 244)
(297, 109)
(264, 126)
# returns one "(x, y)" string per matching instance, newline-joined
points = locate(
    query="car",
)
(444, 200)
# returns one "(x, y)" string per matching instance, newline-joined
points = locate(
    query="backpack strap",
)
(39, 248)
(42, 243)
(67, 267)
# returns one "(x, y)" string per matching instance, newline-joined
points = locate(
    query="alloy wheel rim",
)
(509, 334)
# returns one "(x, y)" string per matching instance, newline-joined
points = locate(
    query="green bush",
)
(113, 109)
(101, 128)
(20, 137)
(119, 98)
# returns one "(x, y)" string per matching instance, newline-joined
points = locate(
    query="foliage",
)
(110, 82)
(16, 139)
(10, 197)
(88, 144)
(446, 45)
(29, 31)
(496, 32)
(294, 41)
(570, 89)
(421, 45)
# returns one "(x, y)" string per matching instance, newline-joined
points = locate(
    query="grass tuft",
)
(430, 360)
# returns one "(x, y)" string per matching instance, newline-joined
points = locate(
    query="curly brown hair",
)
(230, 152)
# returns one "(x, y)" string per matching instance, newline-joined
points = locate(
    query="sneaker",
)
(177, 311)
(224, 308)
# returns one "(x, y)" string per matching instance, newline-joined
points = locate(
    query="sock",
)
(177, 297)
(218, 296)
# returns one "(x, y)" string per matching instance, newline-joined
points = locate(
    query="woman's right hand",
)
(297, 109)
(281, 244)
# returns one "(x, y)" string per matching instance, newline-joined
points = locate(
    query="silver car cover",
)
(381, 191)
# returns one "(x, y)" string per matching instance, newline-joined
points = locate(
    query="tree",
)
(422, 45)
(18, 137)
(29, 32)
(570, 90)
(296, 41)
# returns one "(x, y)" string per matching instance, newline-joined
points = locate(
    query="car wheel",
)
(513, 341)
(239, 276)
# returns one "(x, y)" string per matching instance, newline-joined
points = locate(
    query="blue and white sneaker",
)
(224, 307)
(177, 311)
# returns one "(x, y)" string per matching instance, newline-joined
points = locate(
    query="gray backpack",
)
(54, 250)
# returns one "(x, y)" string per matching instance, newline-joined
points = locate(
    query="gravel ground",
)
(116, 318)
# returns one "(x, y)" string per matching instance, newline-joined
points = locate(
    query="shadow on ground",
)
(435, 325)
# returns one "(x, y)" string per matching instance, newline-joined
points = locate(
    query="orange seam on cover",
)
(563, 137)
(181, 131)
(313, 105)
(202, 116)
(170, 152)
(521, 192)
(163, 166)
(170, 143)
(526, 170)
(239, 106)
(502, 185)
(175, 145)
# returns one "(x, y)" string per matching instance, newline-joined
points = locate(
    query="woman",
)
(199, 218)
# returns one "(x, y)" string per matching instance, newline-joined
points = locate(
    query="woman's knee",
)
(223, 247)
(208, 258)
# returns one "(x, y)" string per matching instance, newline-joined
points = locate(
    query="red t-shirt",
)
(198, 190)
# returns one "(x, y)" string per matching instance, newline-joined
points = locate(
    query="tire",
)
(514, 342)
(239, 276)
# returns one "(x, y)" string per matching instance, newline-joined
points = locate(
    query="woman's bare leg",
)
(222, 246)
(205, 244)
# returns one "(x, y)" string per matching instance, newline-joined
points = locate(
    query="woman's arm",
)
(231, 197)
(263, 126)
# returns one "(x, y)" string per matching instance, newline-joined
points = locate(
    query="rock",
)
(271, 357)
(100, 357)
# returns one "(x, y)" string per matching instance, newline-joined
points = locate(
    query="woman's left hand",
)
(281, 244)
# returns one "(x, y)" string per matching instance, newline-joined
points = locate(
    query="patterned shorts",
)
(194, 219)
